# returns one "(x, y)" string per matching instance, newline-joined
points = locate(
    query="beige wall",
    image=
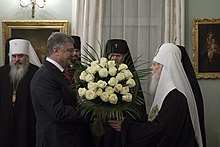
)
(210, 87)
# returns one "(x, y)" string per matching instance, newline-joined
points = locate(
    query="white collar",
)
(55, 63)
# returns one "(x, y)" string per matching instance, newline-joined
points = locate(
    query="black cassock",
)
(17, 124)
(112, 138)
(171, 128)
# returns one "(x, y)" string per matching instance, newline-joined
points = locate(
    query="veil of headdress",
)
(187, 65)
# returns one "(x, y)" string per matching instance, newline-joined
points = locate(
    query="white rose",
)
(95, 65)
(112, 71)
(111, 63)
(104, 96)
(91, 70)
(128, 74)
(109, 90)
(101, 84)
(113, 99)
(82, 91)
(83, 75)
(125, 90)
(127, 97)
(103, 72)
(118, 87)
(99, 91)
(90, 95)
(113, 81)
(89, 78)
(131, 83)
(120, 76)
(103, 62)
(92, 86)
(122, 67)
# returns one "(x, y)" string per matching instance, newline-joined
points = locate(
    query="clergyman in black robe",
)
(76, 67)
(17, 119)
(174, 119)
(118, 50)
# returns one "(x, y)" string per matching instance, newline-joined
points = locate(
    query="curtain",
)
(87, 19)
(175, 21)
(140, 23)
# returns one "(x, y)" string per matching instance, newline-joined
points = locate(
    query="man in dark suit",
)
(58, 122)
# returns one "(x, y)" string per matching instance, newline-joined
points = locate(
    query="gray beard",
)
(154, 83)
(18, 70)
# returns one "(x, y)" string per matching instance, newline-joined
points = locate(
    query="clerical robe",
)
(171, 128)
(17, 123)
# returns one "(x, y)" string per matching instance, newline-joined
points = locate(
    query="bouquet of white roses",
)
(108, 90)
(107, 82)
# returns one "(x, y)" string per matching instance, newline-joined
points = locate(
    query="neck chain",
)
(15, 87)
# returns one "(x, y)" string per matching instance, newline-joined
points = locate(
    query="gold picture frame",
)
(206, 47)
(36, 31)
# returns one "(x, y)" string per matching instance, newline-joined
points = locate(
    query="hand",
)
(115, 124)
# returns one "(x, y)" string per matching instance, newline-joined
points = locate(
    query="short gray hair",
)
(57, 40)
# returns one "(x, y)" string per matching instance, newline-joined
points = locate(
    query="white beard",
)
(18, 70)
(154, 82)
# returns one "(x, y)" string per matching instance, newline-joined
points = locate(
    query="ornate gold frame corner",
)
(36, 31)
(206, 61)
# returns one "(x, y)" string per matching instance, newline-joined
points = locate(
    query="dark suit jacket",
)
(58, 122)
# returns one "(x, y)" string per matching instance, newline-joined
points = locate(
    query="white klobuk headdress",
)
(22, 46)
(173, 76)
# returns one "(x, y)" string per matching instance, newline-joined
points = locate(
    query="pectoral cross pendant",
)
(13, 97)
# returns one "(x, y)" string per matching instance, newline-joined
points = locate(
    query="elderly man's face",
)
(119, 58)
(17, 59)
(156, 68)
(19, 66)
(156, 71)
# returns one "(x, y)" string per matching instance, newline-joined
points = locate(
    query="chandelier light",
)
(33, 4)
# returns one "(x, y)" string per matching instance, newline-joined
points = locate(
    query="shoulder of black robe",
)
(187, 65)
(171, 128)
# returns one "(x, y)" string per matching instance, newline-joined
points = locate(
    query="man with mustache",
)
(76, 67)
(17, 119)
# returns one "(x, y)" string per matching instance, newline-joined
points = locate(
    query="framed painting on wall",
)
(206, 47)
(36, 31)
